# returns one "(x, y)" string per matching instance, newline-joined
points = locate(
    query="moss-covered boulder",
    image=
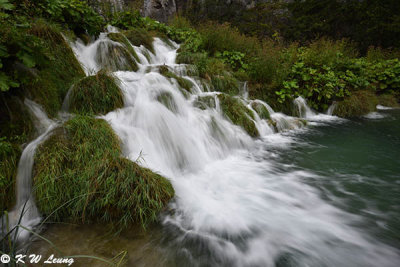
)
(80, 176)
(98, 94)
(49, 81)
(168, 101)
(358, 104)
(139, 37)
(185, 84)
(121, 38)
(238, 113)
(113, 56)
(261, 110)
(205, 102)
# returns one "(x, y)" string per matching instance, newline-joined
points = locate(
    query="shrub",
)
(98, 94)
(80, 176)
(222, 37)
(75, 14)
(238, 113)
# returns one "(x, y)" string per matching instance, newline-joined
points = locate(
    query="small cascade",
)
(25, 209)
(331, 109)
(303, 110)
(103, 54)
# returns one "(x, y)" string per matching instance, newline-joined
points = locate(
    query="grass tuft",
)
(81, 164)
(98, 94)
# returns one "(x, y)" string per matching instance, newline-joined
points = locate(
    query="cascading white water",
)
(25, 211)
(235, 205)
(303, 110)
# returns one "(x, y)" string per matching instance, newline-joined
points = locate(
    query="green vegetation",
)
(121, 38)
(261, 110)
(360, 103)
(238, 113)
(368, 22)
(138, 36)
(9, 156)
(117, 57)
(183, 83)
(98, 94)
(205, 102)
(81, 176)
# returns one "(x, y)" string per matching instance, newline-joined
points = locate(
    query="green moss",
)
(261, 110)
(168, 101)
(358, 104)
(98, 94)
(183, 83)
(80, 176)
(139, 37)
(49, 82)
(116, 57)
(238, 113)
(205, 102)
(9, 156)
(225, 83)
(121, 38)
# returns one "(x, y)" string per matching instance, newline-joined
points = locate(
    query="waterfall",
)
(304, 111)
(331, 109)
(25, 209)
(235, 205)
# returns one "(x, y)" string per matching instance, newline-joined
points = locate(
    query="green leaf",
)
(26, 58)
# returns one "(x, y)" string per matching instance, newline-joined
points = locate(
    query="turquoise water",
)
(358, 167)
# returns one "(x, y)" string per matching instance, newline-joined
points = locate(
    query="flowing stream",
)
(25, 212)
(288, 198)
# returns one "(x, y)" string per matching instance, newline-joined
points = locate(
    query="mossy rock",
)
(139, 37)
(80, 176)
(238, 113)
(98, 94)
(185, 84)
(121, 38)
(168, 101)
(115, 57)
(205, 102)
(358, 104)
(261, 110)
(50, 80)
